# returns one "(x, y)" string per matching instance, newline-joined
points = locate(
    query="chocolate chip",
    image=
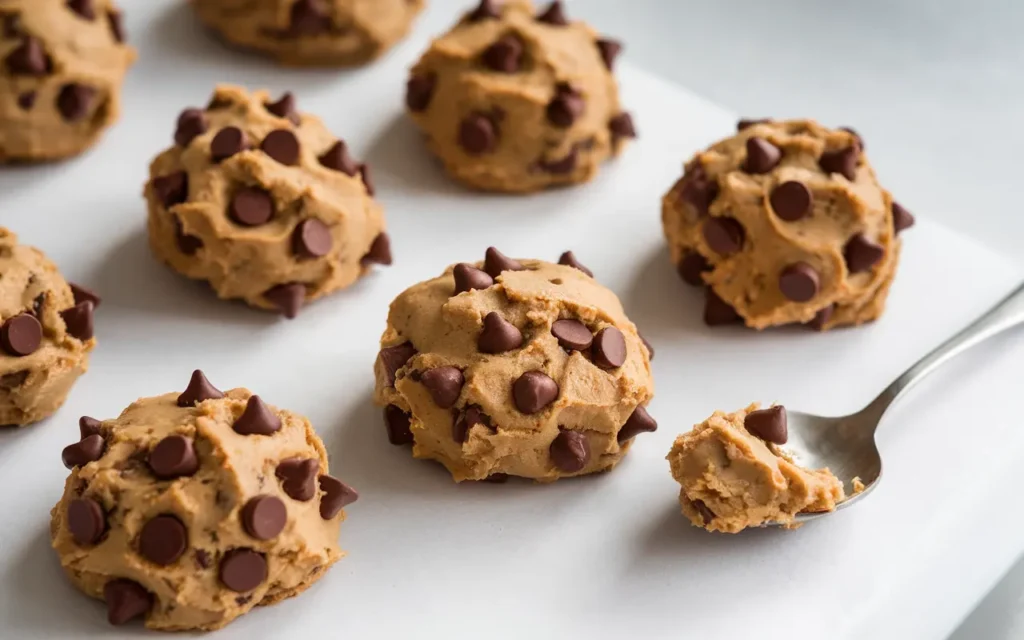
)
(10, 25)
(337, 496)
(768, 424)
(78, 320)
(639, 422)
(338, 159)
(311, 239)
(692, 268)
(468, 277)
(723, 235)
(264, 517)
(74, 101)
(116, 23)
(84, 8)
(86, 521)
(396, 422)
(791, 200)
(199, 389)
(560, 166)
(243, 570)
(533, 391)
(163, 540)
(496, 478)
(39, 301)
(257, 419)
(610, 49)
(799, 282)
(706, 514)
(191, 124)
(173, 457)
(364, 173)
(444, 385)
(647, 345)
(505, 55)
(486, 9)
(609, 351)
(126, 599)
(9, 381)
(88, 449)
(472, 416)
(717, 311)
(309, 18)
(228, 142)
(744, 123)
(419, 90)
(478, 134)
(566, 106)
(287, 298)
(251, 207)
(284, 108)
(901, 218)
(380, 251)
(861, 253)
(27, 100)
(394, 358)
(171, 189)
(498, 335)
(203, 559)
(282, 146)
(843, 161)
(762, 156)
(622, 126)
(822, 317)
(187, 244)
(84, 294)
(856, 136)
(89, 427)
(570, 451)
(572, 334)
(21, 335)
(699, 190)
(28, 59)
(554, 14)
(569, 259)
(298, 477)
(495, 262)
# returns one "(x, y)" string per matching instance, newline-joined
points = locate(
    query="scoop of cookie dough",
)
(263, 203)
(514, 100)
(734, 474)
(785, 223)
(513, 368)
(60, 81)
(312, 32)
(46, 333)
(192, 508)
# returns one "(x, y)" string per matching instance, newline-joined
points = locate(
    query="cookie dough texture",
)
(516, 100)
(60, 79)
(190, 509)
(784, 223)
(263, 203)
(312, 32)
(46, 335)
(732, 479)
(535, 372)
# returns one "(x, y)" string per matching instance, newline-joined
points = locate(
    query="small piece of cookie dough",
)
(785, 223)
(192, 508)
(312, 32)
(60, 80)
(46, 333)
(263, 203)
(513, 368)
(734, 475)
(515, 100)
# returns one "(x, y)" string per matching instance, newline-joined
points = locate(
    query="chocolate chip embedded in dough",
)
(505, 55)
(495, 262)
(768, 424)
(799, 282)
(84, 8)
(561, 166)
(842, 161)
(533, 391)
(78, 320)
(75, 100)
(572, 334)
(762, 156)
(89, 427)
(724, 235)
(901, 218)
(717, 311)
(199, 389)
(638, 422)
(282, 146)
(173, 457)
(419, 90)
(486, 9)
(791, 200)
(647, 345)
(705, 513)
(284, 108)
(609, 49)
(264, 517)
(380, 251)
(84, 294)
(394, 358)
(288, 298)
(21, 335)
(822, 317)
(227, 142)
(478, 134)
(298, 477)
(311, 239)
(187, 244)
(554, 15)
(692, 268)
(745, 122)
(192, 123)
(163, 540)
(621, 126)
(251, 207)
(566, 106)
(115, 21)
(126, 599)
(856, 136)
(88, 449)
(337, 496)
(309, 18)
(27, 100)
(367, 176)
(444, 384)
(861, 253)
(28, 59)
(257, 419)
(570, 451)
(568, 259)
(498, 335)
(472, 416)
(397, 421)
(699, 190)
(609, 349)
(171, 189)
(243, 570)
(338, 159)
(86, 521)
(467, 277)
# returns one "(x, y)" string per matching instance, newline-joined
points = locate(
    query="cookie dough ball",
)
(785, 223)
(514, 368)
(734, 474)
(192, 508)
(312, 32)
(263, 203)
(514, 100)
(60, 81)
(46, 333)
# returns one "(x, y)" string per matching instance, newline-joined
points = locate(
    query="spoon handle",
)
(1008, 313)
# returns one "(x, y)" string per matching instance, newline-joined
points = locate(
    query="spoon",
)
(846, 445)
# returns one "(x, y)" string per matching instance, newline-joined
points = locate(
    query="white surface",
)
(602, 556)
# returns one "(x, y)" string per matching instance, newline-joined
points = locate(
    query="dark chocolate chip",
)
(723, 235)
(566, 106)
(163, 540)
(561, 166)
(799, 282)
(298, 477)
(228, 142)
(86, 521)
(366, 175)
(284, 108)
(843, 161)
(74, 101)
(568, 259)
(171, 189)
(647, 345)
(478, 134)
(89, 427)
(856, 136)
(203, 559)
(570, 451)
(337, 496)
(257, 419)
(287, 298)
(467, 277)
(639, 422)
(610, 49)
(609, 350)
(187, 244)
(9, 381)
(419, 90)
(116, 23)
(444, 385)
(84, 8)
(311, 239)
(173, 457)
(762, 156)
(554, 14)
(505, 55)
(309, 18)
(199, 389)
(282, 146)
(791, 200)
(692, 268)
(10, 25)
(572, 334)
(27, 100)
(822, 317)
(337, 158)
(394, 358)
(40, 300)
(699, 190)
(861, 253)
(745, 122)
(243, 570)
(84, 294)
(706, 514)
(126, 599)
(88, 449)
(768, 424)
(21, 335)
(533, 391)
(396, 422)
(191, 124)
(251, 207)
(495, 262)
(901, 218)
(28, 59)
(380, 251)
(622, 126)
(264, 517)
(717, 311)
(498, 335)
(486, 9)
(472, 416)
(78, 320)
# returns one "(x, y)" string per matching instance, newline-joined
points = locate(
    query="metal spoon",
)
(846, 445)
